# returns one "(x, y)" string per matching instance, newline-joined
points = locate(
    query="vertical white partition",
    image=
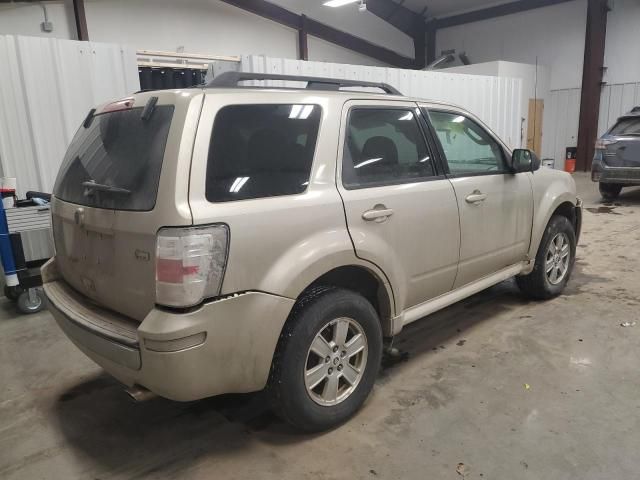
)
(48, 85)
(495, 100)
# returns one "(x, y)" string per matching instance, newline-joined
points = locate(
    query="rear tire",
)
(318, 383)
(610, 191)
(553, 263)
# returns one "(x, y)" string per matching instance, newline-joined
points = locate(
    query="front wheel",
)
(554, 261)
(609, 191)
(327, 359)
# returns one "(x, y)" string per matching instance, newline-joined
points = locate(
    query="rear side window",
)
(261, 151)
(626, 126)
(384, 147)
(116, 161)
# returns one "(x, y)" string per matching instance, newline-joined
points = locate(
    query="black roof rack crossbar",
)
(231, 80)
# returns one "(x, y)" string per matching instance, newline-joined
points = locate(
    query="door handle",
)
(378, 214)
(476, 197)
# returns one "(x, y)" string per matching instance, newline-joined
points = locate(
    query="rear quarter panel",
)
(278, 245)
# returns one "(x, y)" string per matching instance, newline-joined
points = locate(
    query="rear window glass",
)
(115, 163)
(261, 151)
(626, 126)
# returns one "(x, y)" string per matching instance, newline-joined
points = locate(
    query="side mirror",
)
(523, 160)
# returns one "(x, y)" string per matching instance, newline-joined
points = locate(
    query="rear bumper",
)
(226, 346)
(621, 175)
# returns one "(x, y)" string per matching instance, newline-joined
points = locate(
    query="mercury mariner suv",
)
(233, 239)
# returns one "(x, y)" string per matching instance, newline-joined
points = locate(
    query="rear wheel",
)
(554, 261)
(610, 191)
(327, 359)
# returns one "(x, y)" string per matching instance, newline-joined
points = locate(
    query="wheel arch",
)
(564, 205)
(364, 281)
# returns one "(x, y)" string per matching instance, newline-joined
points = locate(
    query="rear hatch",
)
(623, 145)
(124, 176)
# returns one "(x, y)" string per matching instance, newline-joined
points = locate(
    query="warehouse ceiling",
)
(443, 8)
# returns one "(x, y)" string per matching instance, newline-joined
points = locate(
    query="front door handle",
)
(378, 214)
(476, 197)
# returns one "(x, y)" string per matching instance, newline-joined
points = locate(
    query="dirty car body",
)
(200, 233)
(616, 161)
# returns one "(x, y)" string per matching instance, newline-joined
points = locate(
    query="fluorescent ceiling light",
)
(306, 111)
(338, 3)
(367, 162)
(301, 111)
(238, 183)
(458, 119)
(295, 111)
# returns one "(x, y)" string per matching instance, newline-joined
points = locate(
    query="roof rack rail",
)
(231, 80)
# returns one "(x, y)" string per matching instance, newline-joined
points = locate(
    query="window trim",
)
(505, 153)
(416, 110)
(242, 104)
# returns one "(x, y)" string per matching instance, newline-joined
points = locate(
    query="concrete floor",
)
(506, 387)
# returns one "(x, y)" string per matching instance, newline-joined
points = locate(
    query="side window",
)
(384, 146)
(468, 148)
(261, 151)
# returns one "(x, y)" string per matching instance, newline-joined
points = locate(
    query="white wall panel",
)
(552, 36)
(48, 87)
(495, 100)
(615, 101)
(560, 124)
(562, 115)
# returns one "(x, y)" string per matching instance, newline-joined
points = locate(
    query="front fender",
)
(551, 188)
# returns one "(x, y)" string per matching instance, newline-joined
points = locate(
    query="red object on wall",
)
(570, 159)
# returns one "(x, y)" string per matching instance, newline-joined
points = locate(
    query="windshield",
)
(115, 162)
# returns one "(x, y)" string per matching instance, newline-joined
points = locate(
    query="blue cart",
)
(22, 276)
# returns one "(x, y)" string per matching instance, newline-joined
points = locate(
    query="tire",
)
(609, 191)
(314, 409)
(540, 284)
(12, 293)
(25, 305)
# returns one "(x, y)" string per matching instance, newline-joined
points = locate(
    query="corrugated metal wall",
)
(562, 116)
(47, 86)
(560, 124)
(617, 100)
(495, 100)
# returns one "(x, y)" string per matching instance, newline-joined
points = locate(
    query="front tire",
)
(554, 261)
(327, 359)
(609, 191)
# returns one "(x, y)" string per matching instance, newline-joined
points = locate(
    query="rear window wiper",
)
(105, 188)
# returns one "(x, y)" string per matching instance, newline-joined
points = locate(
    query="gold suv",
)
(231, 239)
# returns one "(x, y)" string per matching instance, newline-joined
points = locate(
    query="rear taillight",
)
(190, 264)
(601, 143)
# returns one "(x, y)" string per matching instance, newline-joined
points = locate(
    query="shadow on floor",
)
(164, 437)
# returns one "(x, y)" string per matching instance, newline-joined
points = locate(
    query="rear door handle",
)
(476, 197)
(378, 214)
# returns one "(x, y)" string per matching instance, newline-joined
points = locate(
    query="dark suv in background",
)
(616, 162)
